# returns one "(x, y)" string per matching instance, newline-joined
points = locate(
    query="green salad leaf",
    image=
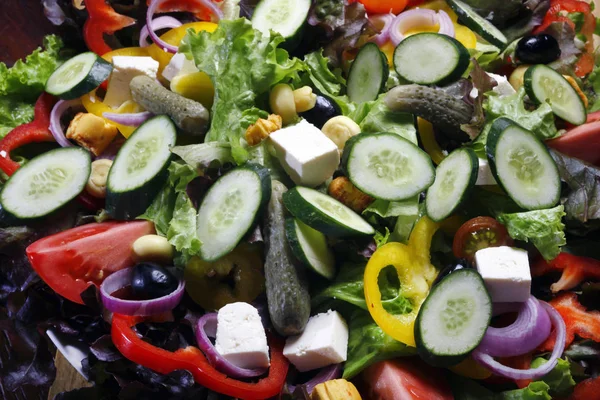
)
(535, 391)
(543, 228)
(376, 116)
(243, 64)
(467, 389)
(21, 84)
(559, 380)
(328, 82)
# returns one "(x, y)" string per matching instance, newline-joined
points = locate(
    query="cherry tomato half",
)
(384, 6)
(479, 233)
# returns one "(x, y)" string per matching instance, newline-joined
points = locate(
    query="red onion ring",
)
(410, 19)
(382, 23)
(502, 370)
(529, 330)
(55, 126)
(328, 373)
(121, 279)
(209, 322)
(152, 10)
(133, 119)
(157, 24)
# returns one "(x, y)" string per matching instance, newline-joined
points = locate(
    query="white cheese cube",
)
(307, 155)
(505, 271)
(241, 337)
(125, 68)
(485, 176)
(504, 88)
(178, 65)
(323, 342)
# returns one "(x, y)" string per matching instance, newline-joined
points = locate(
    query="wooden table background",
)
(22, 28)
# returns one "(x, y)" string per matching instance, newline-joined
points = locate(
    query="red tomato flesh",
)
(582, 142)
(71, 261)
(406, 379)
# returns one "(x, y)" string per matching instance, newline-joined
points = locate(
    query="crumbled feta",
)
(323, 342)
(306, 154)
(125, 68)
(505, 271)
(241, 337)
(178, 65)
(504, 88)
(485, 176)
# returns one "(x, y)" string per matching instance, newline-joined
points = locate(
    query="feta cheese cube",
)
(241, 337)
(178, 65)
(505, 271)
(323, 342)
(504, 88)
(307, 155)
(125, 68)
(485, 176)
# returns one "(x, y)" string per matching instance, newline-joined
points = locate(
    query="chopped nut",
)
(91, 132)
(338, 389)
(573, 83)
(345, 192)
(262, 129)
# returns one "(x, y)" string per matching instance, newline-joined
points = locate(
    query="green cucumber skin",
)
(286, 283)
(464, 59)
(292, 238)
(463, 16)
(383, 62)
(437, 360)
(442, 110)
(472, 180)
(100, 72)
(315, 218)
(498, 127)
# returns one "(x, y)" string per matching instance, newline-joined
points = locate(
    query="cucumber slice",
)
(230, 208)
(387, 166)
(310, 247)
(286, 17)
(542, 84)
(368, 74)
(140, 168)
(431, 58)
(478, 24)
(324, 213)
(46, 183)
(522, 165)
(78, 76)
(453, 319)
(455, 177)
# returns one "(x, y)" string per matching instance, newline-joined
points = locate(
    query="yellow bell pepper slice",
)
(94, 105)
(461, 33)
(470, 368)
(430, 145)
(126, 51)
(414, 269)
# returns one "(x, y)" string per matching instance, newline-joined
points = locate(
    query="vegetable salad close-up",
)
(303, 199)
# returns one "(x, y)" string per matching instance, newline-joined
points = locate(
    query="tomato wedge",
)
(582, 142)
(406, 379)
(479, 233)
(384, 6)
(71, 261)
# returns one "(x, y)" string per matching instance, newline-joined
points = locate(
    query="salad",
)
(309, 199)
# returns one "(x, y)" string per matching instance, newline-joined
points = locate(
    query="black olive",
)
(150, 281)
(459, 264)
(323, 111)
(538, 49)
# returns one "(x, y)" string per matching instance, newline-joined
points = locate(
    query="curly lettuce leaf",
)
(543, 228)
(13, 113)
(376, 116)
(540, 121)
(243, 64)
(467, 389)
(559, 380)
(328, 82)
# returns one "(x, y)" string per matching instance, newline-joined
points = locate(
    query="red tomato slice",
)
(71, 261)
(384, 6)
(406, 379)
(582, 142)
(479, 233)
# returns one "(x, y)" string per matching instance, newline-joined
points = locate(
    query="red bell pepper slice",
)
(575, 269)
(192, 359)
(102, 19)
(586, 390)
(579, 321)
(34, 132)
(191, 6)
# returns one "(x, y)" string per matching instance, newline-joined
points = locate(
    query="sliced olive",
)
(459, 264)
(151, 281)
(538, 49)
(323, 111)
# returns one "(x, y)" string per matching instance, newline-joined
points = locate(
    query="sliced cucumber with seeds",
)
(286, 17)
(455, 177)
(453, 319)
(310, 247)
(230, 208)
(368, 74)
(140, 168)
(542, 84)
(431, 58)
(46, 183)
(477, 23)
(387, 166)
(522, 165)
(324, 213)
(78, 76)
